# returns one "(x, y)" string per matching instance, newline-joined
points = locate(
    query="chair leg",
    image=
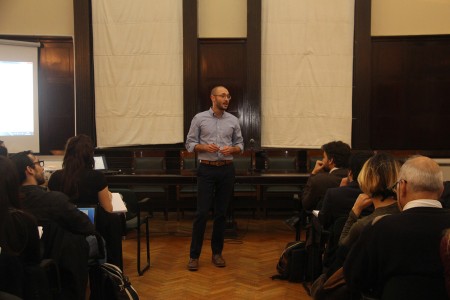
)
(147, 242)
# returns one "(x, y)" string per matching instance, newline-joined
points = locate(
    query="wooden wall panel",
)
(55, 88)
(56, 95)
(410, 93)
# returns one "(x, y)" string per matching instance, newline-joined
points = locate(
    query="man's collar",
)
(422, 203)
(333, 169)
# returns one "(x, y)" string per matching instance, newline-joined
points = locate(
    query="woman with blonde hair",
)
(376, 179)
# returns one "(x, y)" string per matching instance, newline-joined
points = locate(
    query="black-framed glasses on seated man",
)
(225, 96)
(394, 186)
(39, 162)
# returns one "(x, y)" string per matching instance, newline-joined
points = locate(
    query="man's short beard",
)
(40, 180)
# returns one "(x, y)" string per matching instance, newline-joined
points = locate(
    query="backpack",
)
(292, 263)
(107, 282)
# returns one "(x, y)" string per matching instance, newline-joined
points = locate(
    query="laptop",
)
(101, 165)
(89, 211)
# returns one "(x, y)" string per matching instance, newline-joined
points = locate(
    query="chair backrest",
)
(242, 163)
(282, 163)
(149, 163)
(188, 160)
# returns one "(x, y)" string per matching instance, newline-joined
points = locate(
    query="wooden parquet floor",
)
(251, 259)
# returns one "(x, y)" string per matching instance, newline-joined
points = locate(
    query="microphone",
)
(252, 150)
(252, 143)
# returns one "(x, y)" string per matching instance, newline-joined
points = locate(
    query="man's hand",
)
(344, 182)
(227, 150)
(318, 167)
(211, 148)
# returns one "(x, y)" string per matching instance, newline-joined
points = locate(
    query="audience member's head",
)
(29, 168)
(420, 178)
(79, 153)
(3, 151)
(357, 161)
(2, 143)
(337, 154)
(378, 175)
(9, 198)
(9, 184)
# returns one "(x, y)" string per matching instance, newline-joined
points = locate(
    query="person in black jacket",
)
(404, 248)
(44, 205)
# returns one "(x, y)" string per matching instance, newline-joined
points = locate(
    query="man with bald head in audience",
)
(404, 248)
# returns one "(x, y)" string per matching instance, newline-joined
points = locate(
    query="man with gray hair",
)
(396, 252)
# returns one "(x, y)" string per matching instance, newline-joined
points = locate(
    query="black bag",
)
(107, 282)
(292, 263)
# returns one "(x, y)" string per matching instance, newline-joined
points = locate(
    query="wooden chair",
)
(186, 194)
(136, 217)
(243, 164)
(281, 163)
(151, 165)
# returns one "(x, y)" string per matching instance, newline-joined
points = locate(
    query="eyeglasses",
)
(225, 96)
(40, 162)
(394, 186)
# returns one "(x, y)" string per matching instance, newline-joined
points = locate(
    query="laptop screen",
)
(100, 162)
(90, 212)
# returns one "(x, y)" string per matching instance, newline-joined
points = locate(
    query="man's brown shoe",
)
(193, 264)
(218, 260)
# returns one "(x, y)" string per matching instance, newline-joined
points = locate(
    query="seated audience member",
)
(55, 207)
(375, 179)
(445, 197)
(44, 205)
(377, 176)
(78, 179)
(327, 173)
(445, 257)
(339, 201)
(86, 186)
(3, 151)
(404, 248)
(19, 237)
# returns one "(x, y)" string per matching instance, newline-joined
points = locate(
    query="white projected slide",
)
(16, 95)
(19, 118)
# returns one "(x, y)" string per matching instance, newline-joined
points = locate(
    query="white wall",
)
(227, 18)
(36, 17)
(410, 17)
(222, 18)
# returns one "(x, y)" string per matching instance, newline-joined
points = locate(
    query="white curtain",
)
(138, 65)
(307, 59)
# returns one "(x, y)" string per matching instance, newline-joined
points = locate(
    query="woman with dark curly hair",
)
(86, 187)
(78, 179)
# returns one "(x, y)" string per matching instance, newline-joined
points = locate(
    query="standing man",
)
(215, 135)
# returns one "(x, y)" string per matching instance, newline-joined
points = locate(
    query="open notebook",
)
(118, 207)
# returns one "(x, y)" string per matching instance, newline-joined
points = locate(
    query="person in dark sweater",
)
(339, 201)
(44, 205)
(327, 173)
(404, 246)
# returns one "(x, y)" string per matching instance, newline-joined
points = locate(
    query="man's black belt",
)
(216, 163)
